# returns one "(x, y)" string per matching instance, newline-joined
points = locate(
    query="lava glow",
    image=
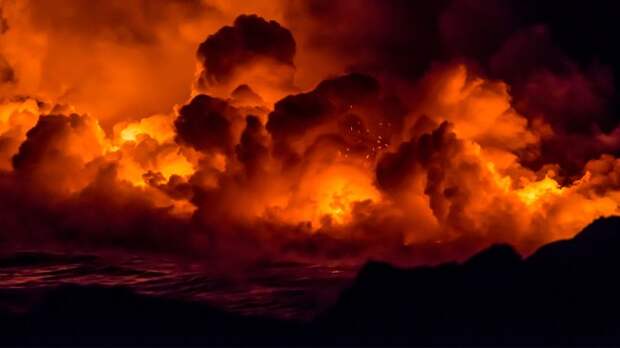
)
(535, 191)
(329, 195)
(194, 127)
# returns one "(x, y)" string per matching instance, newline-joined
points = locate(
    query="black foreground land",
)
(565, 293)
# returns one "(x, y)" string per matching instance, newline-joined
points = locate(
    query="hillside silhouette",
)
(567, 292)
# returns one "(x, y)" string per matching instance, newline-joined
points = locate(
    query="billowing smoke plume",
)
(250, 39)
(409, 131)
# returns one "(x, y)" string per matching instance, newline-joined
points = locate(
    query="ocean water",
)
(285, 290)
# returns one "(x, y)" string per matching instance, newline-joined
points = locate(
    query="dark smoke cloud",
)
(7, 74)
(244, 94)
(332, 99)
(46, 147)
(141, 225)
(556, 73)
(577, 100)
(105, 214)
(546, 82)
(4, 23)
(42, 141)
(205, 124)
(249, 39)
(395, 169)
(440, 167)
(253, 150)
(56, 154)
(62, 192)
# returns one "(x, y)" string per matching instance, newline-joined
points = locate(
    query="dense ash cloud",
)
(65, 190)
(249, 39)
(7, 74)
(244, 94)
(353, 108)
(205, 124)
(56, 152)
(576, 100)
(430, 149)
(253, 147)
(316, 129)
(546, 81)
(297, 114)
(106, 214)
(441, 167)
(44, 141)
(554, 73)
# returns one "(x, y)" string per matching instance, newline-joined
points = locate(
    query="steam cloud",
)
(414, 132)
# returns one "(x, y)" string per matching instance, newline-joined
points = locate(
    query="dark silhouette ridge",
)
(565, 293)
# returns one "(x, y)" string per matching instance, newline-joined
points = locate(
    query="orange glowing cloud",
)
(202, 124)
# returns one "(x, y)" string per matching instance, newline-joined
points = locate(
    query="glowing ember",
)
(335, 191)
(535, 191)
